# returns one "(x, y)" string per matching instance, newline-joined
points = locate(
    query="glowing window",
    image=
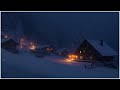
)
(81, 57)
(80, 51)
(91, 57)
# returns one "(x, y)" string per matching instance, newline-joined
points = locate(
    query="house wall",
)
(107, 58)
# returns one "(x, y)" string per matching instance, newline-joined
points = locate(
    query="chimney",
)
(101, 42)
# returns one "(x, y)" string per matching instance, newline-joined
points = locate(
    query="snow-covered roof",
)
(104, 49)
(6, 39)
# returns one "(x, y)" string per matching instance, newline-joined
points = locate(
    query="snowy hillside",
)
(24, 65)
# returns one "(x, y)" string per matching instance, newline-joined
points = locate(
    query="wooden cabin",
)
(95, 50)
(9, 44)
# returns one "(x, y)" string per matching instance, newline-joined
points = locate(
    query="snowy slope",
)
(25, 65)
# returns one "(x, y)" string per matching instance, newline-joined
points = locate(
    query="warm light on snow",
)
(68, 60)
(71, 58)
(51, 66)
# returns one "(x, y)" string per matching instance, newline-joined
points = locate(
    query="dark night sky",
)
(66, 27)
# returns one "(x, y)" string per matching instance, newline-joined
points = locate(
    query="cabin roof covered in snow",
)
(104, 49)
(4, 40)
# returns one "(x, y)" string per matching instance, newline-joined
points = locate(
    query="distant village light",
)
(48, 49)
(31, 43)
(33, 47)
(22, 43)
(6, 36)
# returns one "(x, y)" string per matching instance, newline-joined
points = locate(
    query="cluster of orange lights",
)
(71, 58)
(32, 46)
(21, 43)
(49, 49)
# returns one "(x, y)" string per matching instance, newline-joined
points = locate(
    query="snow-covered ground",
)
(24, 65)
